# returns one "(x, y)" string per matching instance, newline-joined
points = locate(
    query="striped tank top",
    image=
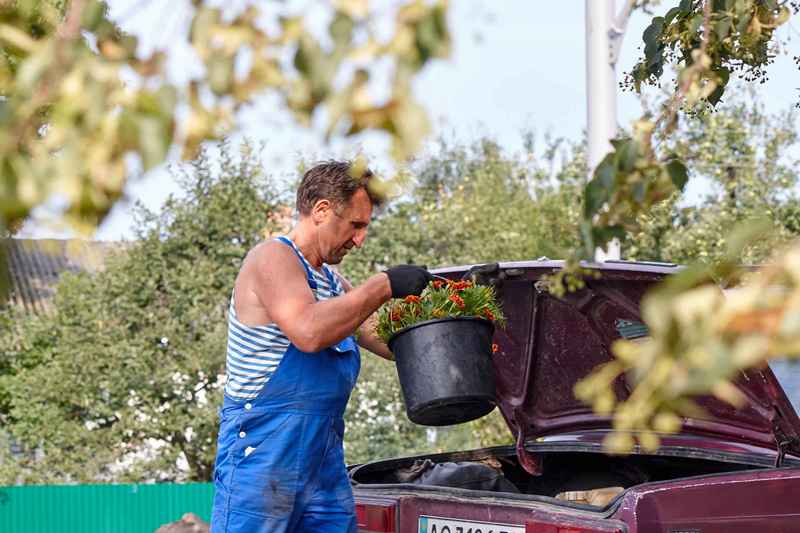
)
(254, 352)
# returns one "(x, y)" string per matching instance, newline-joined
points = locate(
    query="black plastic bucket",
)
(445, 369)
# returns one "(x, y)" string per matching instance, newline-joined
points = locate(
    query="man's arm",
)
(367, 338)
(311, 325)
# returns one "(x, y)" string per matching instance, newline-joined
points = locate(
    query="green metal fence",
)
(100, 508)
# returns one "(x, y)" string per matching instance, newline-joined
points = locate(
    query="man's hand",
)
(406, 280)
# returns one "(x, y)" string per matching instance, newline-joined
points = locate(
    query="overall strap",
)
(329, 274)
(309, 275)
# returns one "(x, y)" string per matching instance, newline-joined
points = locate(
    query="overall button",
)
(248, 406)
(242, 434)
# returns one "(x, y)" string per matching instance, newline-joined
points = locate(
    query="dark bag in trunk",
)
(462, 475)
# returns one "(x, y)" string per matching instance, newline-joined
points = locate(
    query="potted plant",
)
(442, 342)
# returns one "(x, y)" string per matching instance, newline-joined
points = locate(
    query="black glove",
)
(406, 280)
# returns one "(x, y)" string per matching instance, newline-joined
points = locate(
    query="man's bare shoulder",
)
(271, 259)
(271, 273)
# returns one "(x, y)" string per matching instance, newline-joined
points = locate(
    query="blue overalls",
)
(280, 460)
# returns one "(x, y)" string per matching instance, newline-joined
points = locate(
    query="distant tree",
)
(748, 162)
(475, 203)
(132, 357)
(122, 382)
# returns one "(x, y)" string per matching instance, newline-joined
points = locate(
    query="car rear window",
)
(788, 374)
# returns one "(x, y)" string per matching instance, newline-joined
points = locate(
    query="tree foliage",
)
(704, 41)
(78, 99)
(746, 160)
(123, 380)
(117, 372)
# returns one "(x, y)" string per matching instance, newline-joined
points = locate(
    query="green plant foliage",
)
(701, 339)
(748, 159)
(740, 40)
(469, 204)
(440, 299)
(123, 380)
(80, 102)
(704, 41)
(473, 203)
(626, 183)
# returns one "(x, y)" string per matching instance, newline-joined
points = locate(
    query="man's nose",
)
(360, 237)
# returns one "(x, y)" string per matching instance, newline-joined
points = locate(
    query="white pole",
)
(603, 36)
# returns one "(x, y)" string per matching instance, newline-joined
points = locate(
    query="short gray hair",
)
(333, 180)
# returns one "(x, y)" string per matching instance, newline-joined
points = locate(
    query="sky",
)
(515, 65)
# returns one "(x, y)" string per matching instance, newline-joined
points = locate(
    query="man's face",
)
(345, 227)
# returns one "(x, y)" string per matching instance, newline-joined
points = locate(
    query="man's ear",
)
(321, 210)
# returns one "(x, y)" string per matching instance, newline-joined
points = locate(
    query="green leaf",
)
(220, 72)
(744, 22)
(723, 27)
(431, 36)
(724, 75)
(640, 190)
(92, 14)
(677, 173)
(205, 18)
(341, 29)
(671, 14)
(154, 141)
(652, 40)
(128, 130)
(695, 23)
(599, 189)
(167, 97)
(606, 171)
(627, 153)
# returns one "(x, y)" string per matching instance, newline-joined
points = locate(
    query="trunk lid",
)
(550, 343)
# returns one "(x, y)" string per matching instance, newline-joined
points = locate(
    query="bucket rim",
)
(438, 320)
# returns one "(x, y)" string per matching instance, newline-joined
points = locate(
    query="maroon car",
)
(734, 470)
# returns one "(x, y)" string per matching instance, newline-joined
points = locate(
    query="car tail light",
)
(547, 527)
(375, 517)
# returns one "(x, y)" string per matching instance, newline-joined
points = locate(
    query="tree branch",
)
(690, 72)
(617, 32)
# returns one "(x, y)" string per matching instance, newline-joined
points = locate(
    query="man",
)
(292, 361)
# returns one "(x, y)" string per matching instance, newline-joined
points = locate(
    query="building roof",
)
(35, 265)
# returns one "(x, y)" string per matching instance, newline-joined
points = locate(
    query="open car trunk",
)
(570, 473)
(717, 475)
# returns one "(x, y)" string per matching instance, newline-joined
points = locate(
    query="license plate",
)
(431, 524)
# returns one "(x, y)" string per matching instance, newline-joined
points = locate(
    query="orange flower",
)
(458, 300)
(411, 299)
(494, 348)
(437, 283)
(461, 285)
(488, 314)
